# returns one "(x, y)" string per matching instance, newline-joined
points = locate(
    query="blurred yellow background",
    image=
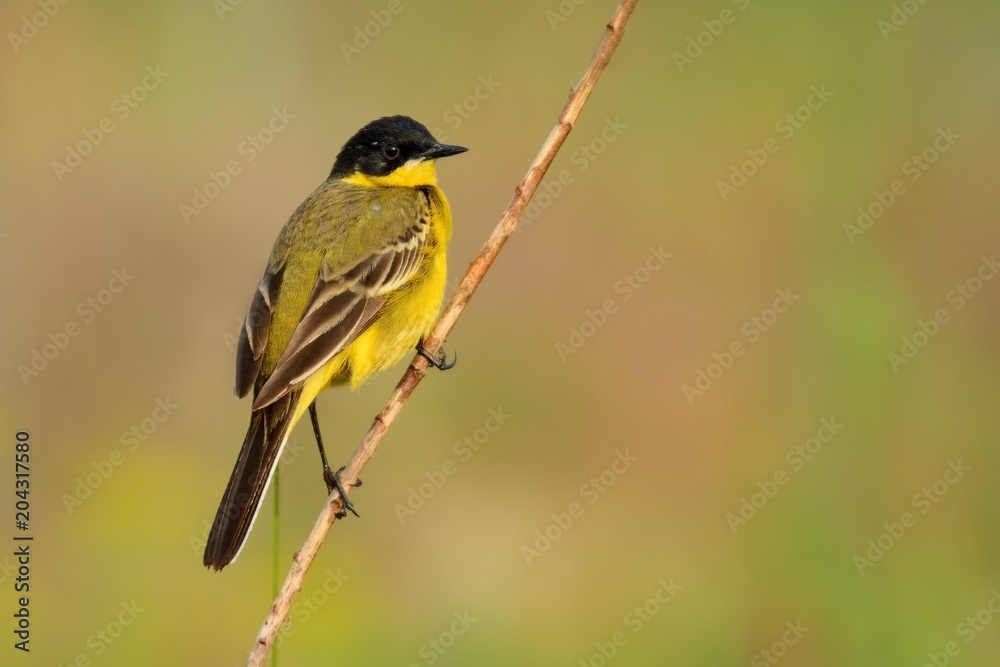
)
(729, 397)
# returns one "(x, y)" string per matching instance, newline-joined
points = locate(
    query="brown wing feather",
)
(256, 327)
(340, 309)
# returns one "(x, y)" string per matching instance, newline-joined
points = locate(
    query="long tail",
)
(266, 437)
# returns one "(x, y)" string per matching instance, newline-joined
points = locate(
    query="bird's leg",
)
(331, 478)
(328, 473)
(441, 363)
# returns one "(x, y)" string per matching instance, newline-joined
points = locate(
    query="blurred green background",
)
(581, 340)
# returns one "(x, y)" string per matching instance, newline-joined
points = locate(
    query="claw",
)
(441, 363)
(332, 480)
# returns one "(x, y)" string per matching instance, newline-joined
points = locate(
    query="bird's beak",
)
(441, 150)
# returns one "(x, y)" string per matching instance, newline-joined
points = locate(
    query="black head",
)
(384, 145)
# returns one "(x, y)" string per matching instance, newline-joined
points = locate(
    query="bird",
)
(354, 281)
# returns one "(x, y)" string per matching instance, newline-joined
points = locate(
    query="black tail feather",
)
(258, 457)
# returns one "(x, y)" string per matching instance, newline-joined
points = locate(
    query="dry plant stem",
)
(418, 367)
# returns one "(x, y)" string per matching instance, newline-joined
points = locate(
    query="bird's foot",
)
(332, 480)
(441, 363)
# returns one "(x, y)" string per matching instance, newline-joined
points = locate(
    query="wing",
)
(256, 328)
(345, 300)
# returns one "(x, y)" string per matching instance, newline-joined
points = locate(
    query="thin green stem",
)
(275, 572)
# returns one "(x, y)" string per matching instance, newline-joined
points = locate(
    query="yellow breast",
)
(407, 317)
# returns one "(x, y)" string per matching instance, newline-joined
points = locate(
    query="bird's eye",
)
(390, 151)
